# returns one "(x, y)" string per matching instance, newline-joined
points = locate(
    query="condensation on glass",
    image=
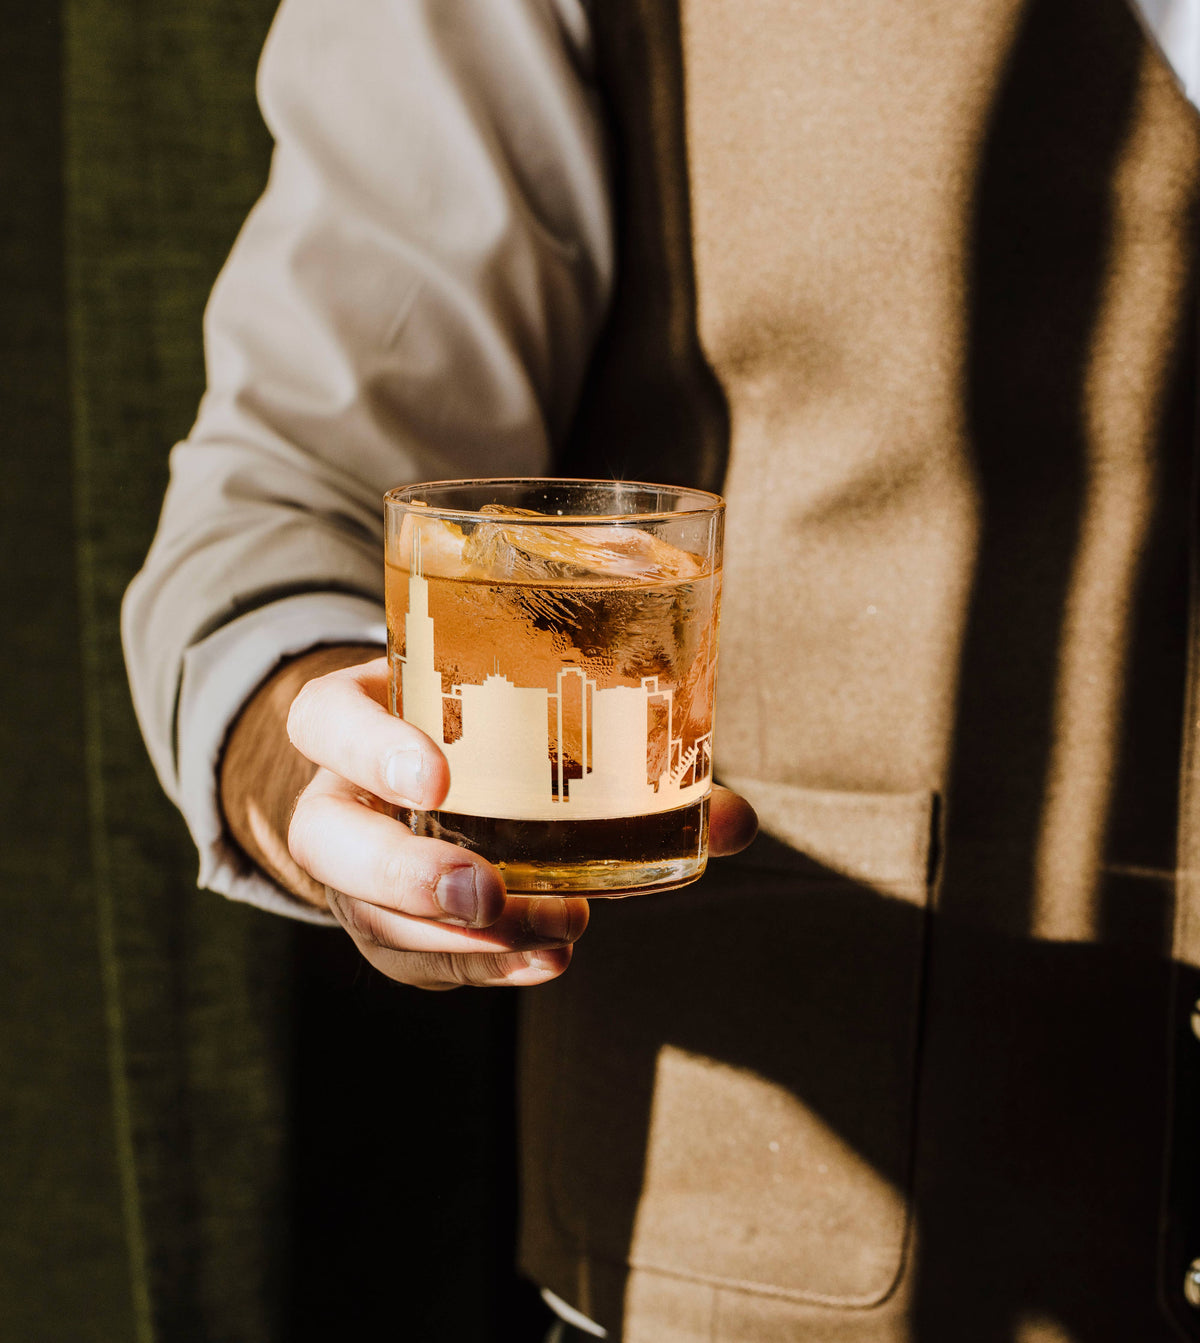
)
(558, 641)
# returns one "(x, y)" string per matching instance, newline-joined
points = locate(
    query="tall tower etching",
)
(509, 760)
(420, 681)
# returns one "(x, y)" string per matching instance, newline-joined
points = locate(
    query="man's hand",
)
(422, 911)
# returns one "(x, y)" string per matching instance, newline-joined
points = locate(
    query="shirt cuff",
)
(569, 1315)
(220, 673)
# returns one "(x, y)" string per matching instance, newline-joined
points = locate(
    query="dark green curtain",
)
(214, 1124)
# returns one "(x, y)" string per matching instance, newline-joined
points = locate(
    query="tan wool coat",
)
(914, 285)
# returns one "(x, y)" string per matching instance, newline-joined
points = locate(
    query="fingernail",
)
(548, 920)
(404, 773)
(457, 895)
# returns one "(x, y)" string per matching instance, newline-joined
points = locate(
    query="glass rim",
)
(706, 501)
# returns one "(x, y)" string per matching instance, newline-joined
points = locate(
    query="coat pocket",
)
(721, 1088)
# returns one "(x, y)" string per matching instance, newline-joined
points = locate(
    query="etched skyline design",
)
(510, 758)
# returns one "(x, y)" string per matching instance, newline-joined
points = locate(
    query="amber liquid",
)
(618, 856)
(616, 634)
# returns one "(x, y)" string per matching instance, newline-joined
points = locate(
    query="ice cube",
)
(528, 553)
(438, 550)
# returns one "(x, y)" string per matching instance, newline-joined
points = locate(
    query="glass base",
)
(599, 879)
(657, 852)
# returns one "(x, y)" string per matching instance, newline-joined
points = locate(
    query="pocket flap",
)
(886, 840)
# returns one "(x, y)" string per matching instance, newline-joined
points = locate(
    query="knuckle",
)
(433, 970)
(299, 715)
(305, 711)
(396, 878)
(301, 836)
(365, 923)
(337, 905)
(455, 969)
(486, 967)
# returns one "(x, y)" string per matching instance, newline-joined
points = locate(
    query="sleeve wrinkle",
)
(415, 296)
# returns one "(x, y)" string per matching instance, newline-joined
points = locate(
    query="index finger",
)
(340, 721)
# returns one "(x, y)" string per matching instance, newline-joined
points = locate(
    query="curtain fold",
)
(214, 1124)
(61, 1225)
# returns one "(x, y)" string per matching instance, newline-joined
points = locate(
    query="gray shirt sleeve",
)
(414, 297)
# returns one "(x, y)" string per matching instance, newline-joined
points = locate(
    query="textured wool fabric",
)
(942, 258)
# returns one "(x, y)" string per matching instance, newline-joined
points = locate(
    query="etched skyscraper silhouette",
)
(420, 690)
(511, 758)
